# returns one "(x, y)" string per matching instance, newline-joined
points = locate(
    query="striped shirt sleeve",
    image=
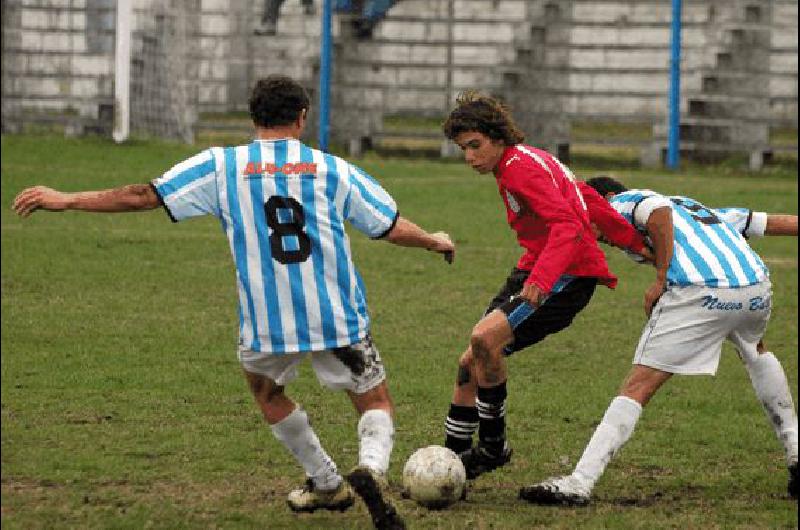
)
(746, 222)
(189, 189)
(646, 207)
(370, 208)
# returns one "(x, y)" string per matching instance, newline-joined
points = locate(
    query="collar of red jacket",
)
(504, 158)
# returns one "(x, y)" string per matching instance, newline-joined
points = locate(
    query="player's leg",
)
(614, 430)
(325, 487)
(515, 325)
(269, 17)
(489, 338)
(769, 381)
(375, 427)
(462, 418)
(772, 389)
(681, 337)
(358, 369)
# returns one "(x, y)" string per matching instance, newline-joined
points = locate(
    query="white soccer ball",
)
(434, 477)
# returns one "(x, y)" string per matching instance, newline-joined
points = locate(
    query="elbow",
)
(141, 197)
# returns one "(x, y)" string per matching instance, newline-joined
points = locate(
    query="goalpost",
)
(122, 72)
(155, 89)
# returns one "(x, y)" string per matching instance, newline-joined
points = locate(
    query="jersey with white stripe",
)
(282, 206)
(707, 251)
(747, 222)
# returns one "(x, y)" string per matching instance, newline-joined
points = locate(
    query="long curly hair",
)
(476, 111)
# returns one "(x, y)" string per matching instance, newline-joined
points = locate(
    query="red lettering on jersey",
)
(301, 168)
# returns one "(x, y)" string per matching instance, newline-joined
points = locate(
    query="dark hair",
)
(479, 112)
(603, 185)
(277, 100)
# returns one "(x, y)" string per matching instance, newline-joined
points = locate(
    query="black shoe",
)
(478, 460)
(793, 480)
(373, 490)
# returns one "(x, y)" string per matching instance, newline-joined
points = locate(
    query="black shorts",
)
(568, 296)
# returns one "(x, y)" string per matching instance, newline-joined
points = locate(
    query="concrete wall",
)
(58, 54)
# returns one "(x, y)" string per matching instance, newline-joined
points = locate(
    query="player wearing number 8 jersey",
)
(283, 207)
(274, 197)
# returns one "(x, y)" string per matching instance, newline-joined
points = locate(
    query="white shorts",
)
(357, 368)
(688, 325)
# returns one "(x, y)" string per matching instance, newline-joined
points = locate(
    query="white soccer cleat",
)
(566, 490)
(310, 499)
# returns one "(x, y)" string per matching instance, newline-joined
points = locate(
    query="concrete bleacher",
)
(557, 61)
(55, 62)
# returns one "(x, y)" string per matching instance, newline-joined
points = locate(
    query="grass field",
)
(123, 405)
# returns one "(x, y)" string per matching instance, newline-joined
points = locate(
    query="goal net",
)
(162, 83)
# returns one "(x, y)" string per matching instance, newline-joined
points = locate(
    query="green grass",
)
(123, 405)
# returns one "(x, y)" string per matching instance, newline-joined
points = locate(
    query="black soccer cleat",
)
(478, 460)
(374, 491)
(793, 481)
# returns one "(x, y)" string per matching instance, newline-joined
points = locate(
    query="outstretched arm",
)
(129, 198)
(781, 225)
(407, 234)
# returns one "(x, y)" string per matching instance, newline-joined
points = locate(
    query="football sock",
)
(772, 388)
(296, 434)
(376, 435)
(612, 433)
(491, 404)
(460, 425)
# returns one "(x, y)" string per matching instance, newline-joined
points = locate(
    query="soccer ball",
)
(434, 477)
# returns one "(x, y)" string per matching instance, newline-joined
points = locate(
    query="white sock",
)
(612, 433)
(376, 433)
(296, 434)
(772, 388)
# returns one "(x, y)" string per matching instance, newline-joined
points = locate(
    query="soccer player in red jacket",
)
(553, 280)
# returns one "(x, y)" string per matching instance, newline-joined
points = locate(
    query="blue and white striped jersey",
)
(282, 206)
(746, 222)
(708, 250)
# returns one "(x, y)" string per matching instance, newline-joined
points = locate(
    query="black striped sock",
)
(460, 425)
(492, 415)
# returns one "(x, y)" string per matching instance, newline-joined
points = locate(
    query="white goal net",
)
(162, 84)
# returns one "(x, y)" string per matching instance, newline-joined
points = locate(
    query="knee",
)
(481, 346)
(264, 389)
(464, 369)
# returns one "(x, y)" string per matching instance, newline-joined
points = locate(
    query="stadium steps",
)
(731, 112)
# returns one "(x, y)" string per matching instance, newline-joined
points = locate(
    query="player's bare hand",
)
(652, 295)
(39, 197)
(532, 294)
(443, 245)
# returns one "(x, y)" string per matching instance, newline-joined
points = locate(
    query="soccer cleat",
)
(374, 490)
(793, 480)
(310, 499)
(566, 490)
(478, 460)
